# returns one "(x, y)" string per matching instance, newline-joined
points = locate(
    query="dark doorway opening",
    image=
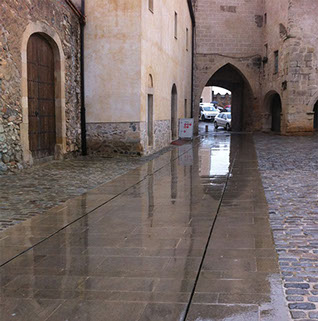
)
(41, 97)
(276, 109)
(316, 116)
(174, 113)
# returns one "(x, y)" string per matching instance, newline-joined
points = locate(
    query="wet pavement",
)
(184, 237)
(289, 168)
(35, 190)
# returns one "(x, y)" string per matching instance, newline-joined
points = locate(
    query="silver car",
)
(208, 112)
(223, 120)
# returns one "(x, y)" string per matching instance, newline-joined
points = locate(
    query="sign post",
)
(186, 128)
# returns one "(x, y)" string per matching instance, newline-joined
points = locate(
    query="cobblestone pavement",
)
(289, 168)
(35, 190)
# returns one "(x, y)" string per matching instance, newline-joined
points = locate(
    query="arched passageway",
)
(316, 116)
(230, 78)
(275, 110)
(41, 97)
(174, 113)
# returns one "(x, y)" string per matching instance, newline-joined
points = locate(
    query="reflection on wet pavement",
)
(141, 248)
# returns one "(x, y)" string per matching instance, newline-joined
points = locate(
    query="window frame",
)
(276, 62)
(175, 25)
(151, 6)
(187, 39)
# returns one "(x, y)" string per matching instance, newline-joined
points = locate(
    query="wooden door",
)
(41, 97)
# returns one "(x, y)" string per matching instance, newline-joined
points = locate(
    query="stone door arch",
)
(41, 97)
(231, 78)
(275, 111)
(49, 39)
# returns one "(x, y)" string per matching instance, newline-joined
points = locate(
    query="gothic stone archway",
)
(231, 78)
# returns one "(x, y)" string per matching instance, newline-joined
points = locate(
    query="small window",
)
(185, 108)
(176, 25)
(266, 50)
(276, 62)
(265, 18)
(187, 39)
(150, 5)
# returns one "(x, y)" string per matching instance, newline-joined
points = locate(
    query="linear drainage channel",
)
(208, 242)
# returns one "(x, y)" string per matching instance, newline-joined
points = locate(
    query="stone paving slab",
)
(33, 191)
(289, 168)
(139, 254)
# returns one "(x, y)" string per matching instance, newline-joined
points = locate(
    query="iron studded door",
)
(41, 97)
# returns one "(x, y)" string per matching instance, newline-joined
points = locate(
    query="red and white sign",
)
(186, 128)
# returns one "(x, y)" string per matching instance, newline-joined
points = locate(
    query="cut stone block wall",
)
(15, 18)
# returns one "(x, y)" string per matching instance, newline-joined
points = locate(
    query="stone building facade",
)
(52, 26)
(138, 66)
(209, 95)
(265, 52)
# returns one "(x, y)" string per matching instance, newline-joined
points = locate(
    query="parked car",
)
(208, 112)
(219, 108)
(223, 120)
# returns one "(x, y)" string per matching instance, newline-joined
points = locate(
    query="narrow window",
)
(150, 5)
(150, 120)
(266, 50)
(175, 25)
(276, 62)
(185, 108)
(187, 39)
(265, 18)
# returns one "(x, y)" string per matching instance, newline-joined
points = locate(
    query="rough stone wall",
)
(115, 138)
(228, 32)
(14, 18)
(223, 100)
(302, 81)
(126, 138)
(275, 39)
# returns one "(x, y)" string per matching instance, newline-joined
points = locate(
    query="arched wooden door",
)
(41, 97)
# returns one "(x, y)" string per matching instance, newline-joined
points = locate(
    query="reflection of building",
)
(268, 60)
(138, 74)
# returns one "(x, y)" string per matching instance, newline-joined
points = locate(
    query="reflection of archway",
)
(52, 38)
(274, 107)
(316, 116)
(174, 112)
(150, 111)
(231, 78)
